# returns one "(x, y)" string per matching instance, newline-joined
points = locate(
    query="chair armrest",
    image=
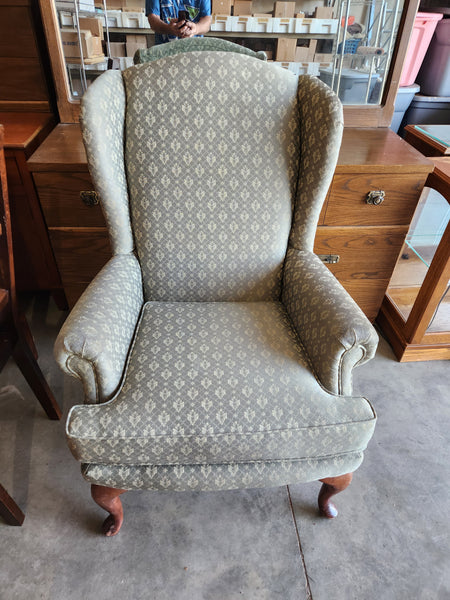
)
(94, 341)
(335, 332)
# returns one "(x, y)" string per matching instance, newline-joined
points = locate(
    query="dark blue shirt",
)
(168, 9)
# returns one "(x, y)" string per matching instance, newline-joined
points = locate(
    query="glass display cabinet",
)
(358, 48)
(415, 315)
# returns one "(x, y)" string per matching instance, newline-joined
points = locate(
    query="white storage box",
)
(66, 19)
(114, 18)
(321, 26)
(301, 68)
(263, 25)
(283, 25)
(82, 5)
(125, 62)
(133, 20)
(221, 23)
(242, 23)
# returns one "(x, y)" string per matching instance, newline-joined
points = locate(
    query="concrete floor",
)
(389, 542)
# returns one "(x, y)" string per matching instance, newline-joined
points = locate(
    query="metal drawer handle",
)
(89, 198)
(329, 259)
(375, 197)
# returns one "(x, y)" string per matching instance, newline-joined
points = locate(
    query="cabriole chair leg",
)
(108, 498)
(330, 487)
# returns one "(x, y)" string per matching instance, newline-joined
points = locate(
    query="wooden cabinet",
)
(366, 237)
(26, 103)
(77, 230)
(415, 314)
(363, 238)
(376, 19)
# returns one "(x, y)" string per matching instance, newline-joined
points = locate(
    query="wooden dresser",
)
(367, 238)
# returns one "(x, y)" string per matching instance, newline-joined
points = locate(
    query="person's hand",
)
(175, 28)
(189, 29)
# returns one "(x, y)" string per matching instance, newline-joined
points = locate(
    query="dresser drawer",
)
(59, 194)
(367, 256)
(368, 294)
(80, 254)
(347, 200)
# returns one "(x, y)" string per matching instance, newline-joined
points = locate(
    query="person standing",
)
(167, 23)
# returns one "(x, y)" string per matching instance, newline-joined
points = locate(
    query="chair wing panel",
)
(102, 125)
(321, 127)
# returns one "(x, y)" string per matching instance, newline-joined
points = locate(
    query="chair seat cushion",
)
(217, 383)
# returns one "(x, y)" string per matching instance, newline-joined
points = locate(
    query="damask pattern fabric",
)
(321, 125)
(190, 45)
(227, 160)
(102, 125)
(332, 327)
(211, 188)
(181, 478)
(211, 383)
(95, 339)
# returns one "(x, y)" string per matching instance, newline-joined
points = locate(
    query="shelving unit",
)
(386, 24)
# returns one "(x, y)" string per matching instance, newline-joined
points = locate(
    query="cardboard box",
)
(242, 8)
(284, 9)
(300, 15)
(91, 46)
(306, 53)
(286, 49)
(136, 39)
(221, 7)
(117, 49)
(92, 24)
(311, 50)
(134, 43)
(301, 54)
(323, 58)
(133, 5)
(323, 12)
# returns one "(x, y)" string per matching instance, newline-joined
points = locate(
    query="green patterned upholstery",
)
(207, 44)
(206, 223)
(218, 382)
(215, 349)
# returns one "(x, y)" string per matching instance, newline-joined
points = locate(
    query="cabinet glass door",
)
(430, 222)
(350, 50)
(363, 49)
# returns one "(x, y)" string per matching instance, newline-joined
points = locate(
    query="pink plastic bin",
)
(424, 26)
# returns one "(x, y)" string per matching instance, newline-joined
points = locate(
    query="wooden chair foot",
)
(330, 487)
(108, 498)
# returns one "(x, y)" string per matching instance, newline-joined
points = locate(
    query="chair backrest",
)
(196, 158)
(194, 44)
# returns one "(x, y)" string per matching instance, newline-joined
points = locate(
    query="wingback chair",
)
(190, 45)
(215, 349)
